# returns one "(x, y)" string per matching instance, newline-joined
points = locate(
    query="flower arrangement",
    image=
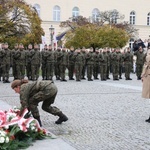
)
(18, 132)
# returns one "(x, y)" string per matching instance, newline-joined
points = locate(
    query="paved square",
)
(103, 115)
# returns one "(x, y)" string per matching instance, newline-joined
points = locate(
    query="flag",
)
(60, 36)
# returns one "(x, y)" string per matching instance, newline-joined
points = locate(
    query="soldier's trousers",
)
(103, 69)
(20, 71)
(14, 70)
(49, 70)
(108, 71)
(139, 68)
(95, 70)
(48, 97)
(78, 70)
(35, 71)
(62, 71)
(115, 71)
(83, 71)
(120, 70)
(89, 71)
(28, 71)
(7, 68)
(57, 70)
(43, 68)
(128, 67)
(71, 68)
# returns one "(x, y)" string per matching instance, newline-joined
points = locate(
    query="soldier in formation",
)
(80, 63)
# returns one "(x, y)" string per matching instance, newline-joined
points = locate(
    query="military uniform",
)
(43, 61)
(28, 62)
(96, 64)
(49, 55)
(84, 63)
(34, 92)
(79, 60)
(139, 63)
(7, 61)
(89, 62)
(63, 63)
(35, 62)
(128, 63)
(103, 65)
(115, 65)
(2, 63)
(71, 65)
(57, 54)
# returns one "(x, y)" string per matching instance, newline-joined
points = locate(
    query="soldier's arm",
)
(24, 98)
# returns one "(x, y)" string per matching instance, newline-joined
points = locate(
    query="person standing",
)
(28, 62)
(128, 63)
(43, 60)
(31, 93)
(145, 77)
(13, 53)
(83, 51)
(71, 65)
(35, 62)
(96, 64)
(108, 63)
(139, 62)
(89, 62)
(115, 65)
(79, 60)
(49, 55)
(7, 61)
(63, 57)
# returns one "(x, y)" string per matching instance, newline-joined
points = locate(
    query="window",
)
(95, 14)
(148, 19)
(132, 17)
(75, 12)
(37, 8)
(56, 13)
(114, 16)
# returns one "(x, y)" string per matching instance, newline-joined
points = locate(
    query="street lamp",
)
(51, 29)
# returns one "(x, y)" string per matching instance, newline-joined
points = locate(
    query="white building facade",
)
(52, 12)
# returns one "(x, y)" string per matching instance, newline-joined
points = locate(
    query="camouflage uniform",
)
(63, 63)
(6, 66)
(79, 60)
(20, 57)
(34, 92)
(103, 65)
(83, 51)
(96, 64)
(89, 62)
(49, 55)
(28, 62)
(128, 63)
(139, 62)
(57, 54)
(14, 69)
(2, 62)
(43, 60)
(71, 65)
(115, 65)
(108, 64)
(35, 62)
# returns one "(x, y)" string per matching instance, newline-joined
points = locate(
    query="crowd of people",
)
(81, 63)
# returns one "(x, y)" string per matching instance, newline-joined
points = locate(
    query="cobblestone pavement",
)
(103, 115)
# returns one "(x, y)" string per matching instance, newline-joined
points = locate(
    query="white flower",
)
(32, 128)
(2, 139)
(6, 127)
(7, 140)
(2, 133)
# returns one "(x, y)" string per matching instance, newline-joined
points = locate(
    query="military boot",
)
(62, 118)
(148, 120)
